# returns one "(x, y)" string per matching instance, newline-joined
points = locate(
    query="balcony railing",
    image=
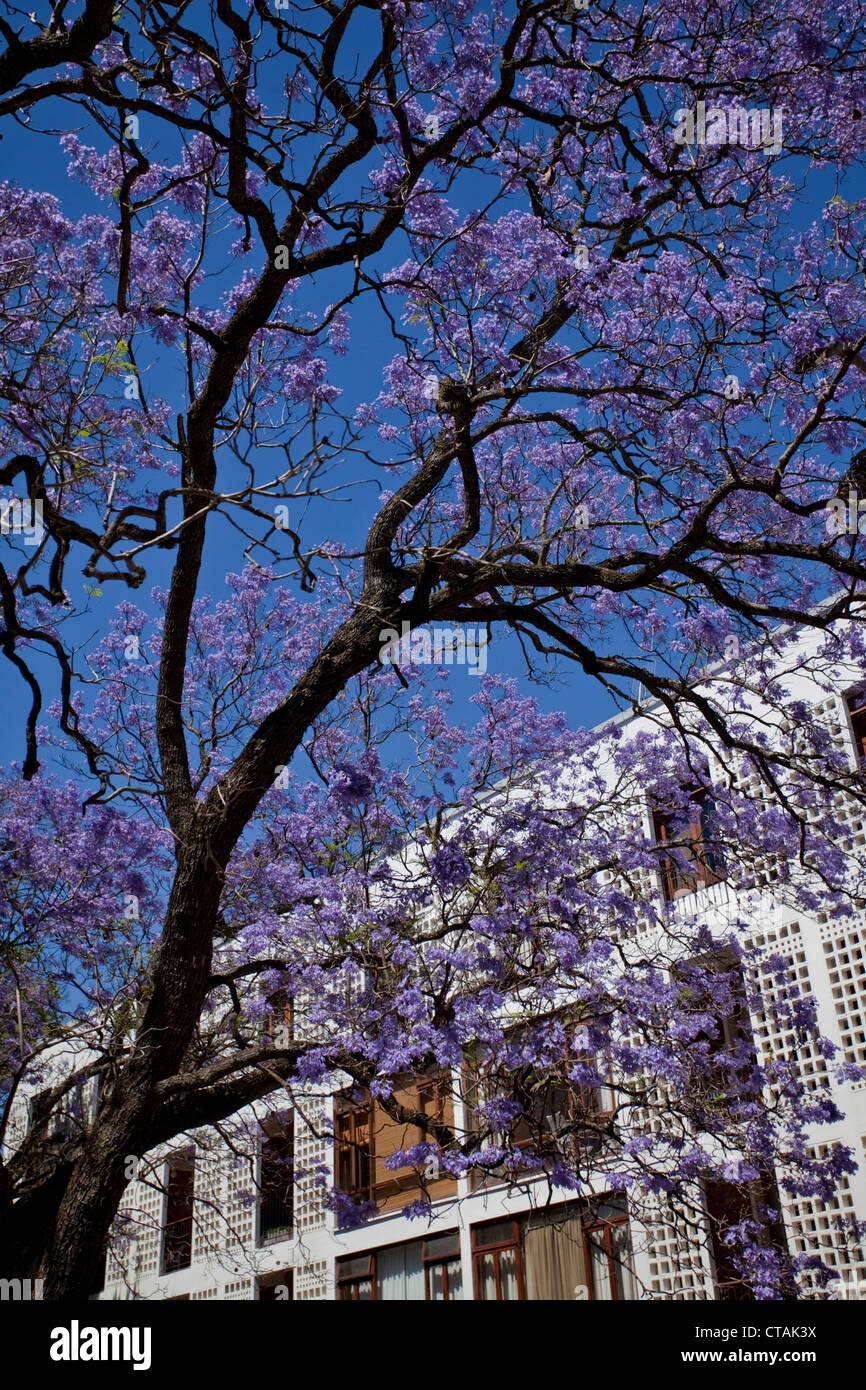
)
(699, 899)
(275, 1218)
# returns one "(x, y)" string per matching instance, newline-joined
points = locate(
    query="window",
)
(576, 1251)
(419, 1271)
(688, 835)
(366, 1136)
(560, 1115)
(727, 1205)
(735, 1029)
(434, 1093)
(277, 1023)
(856, 703)
(356, 1278)
(554, 1254)
(276, 1287)
(443, 1272)
(497, 1258)
(548, 1102)
(177, 1236)
(399, 1273)
(608, 1248)
(276, 1183)
(354, 1136)
(75, 1111)
(696, 983)
(728, 1077)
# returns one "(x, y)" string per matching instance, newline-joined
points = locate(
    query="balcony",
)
(688, 901)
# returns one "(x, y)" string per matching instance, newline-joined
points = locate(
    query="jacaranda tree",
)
(544, 321)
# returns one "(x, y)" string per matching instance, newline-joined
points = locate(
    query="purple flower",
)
(449, 867)
(349, 784)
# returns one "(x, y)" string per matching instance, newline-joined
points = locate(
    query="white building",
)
(204, 1223)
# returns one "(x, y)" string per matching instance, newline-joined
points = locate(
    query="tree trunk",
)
(180, 982)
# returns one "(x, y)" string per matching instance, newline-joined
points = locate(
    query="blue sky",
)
(39, 162)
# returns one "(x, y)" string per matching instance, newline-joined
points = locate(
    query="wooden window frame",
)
(279, 1018)
(442, 1263)
(588, 1093)
(439, 1086)
(359, 1154)
(432, 1092)
(371, 1275)
(736, 1027)
(691, 837)
(436, 1088)
(351, 1281)
(606, 1226)
(578, 1098)
(481, 1251)
(855, 704)
(434, 1261)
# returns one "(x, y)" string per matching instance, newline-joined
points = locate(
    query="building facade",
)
(213, 1218)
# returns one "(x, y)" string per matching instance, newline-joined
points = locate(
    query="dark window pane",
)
(438, 1246)
(177, 1238)
(276, 1183)
(727, 1206)
(497, 1233)
(276, 1288)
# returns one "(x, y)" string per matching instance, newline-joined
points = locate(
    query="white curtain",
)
(601, 1270)
(400, 1272)
(612, 1275)
(554, 1259)
(623, 1255)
